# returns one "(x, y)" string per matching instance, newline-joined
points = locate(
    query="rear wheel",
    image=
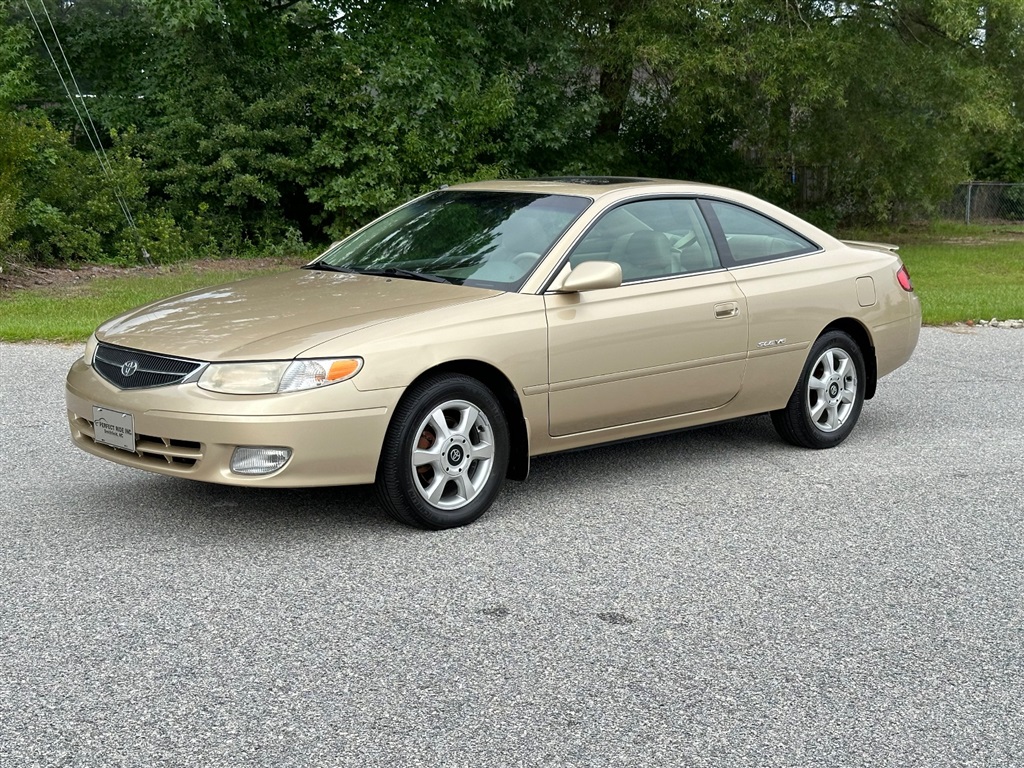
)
(828, 398)
(445, 454)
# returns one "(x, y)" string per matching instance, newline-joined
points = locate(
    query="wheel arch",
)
(856, 330)
(503, 389)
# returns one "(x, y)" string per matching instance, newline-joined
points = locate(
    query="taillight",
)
(903, 276)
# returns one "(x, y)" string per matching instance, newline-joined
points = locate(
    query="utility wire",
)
(93, 135)
(104, 161)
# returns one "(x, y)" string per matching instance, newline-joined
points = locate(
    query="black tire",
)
(828, 397)
(461, 464)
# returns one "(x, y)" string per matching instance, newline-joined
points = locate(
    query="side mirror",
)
(592, 276)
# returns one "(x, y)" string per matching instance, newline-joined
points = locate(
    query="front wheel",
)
(445, 454)
(829, 396)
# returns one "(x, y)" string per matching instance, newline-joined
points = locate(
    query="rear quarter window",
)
(751, 237)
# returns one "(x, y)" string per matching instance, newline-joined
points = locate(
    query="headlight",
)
(90, 350)
(266, 378)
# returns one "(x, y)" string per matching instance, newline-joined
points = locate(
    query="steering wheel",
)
(684, 241)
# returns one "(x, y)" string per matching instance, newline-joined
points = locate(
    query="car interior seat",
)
(644, 254)
(695, 257)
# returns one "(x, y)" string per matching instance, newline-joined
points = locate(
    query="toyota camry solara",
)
(436, 350)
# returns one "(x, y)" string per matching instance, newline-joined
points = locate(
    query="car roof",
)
(612, 189)
(594, 186)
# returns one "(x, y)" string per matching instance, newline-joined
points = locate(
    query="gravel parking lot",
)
(711, 598)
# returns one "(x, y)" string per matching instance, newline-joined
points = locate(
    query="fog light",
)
(259, 460)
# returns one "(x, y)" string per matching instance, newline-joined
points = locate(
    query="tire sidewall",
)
(398, 473)
(832, 340)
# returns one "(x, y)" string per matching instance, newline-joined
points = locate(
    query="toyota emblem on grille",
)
(129, 368)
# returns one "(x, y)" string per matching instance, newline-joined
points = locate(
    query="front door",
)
(671, 340)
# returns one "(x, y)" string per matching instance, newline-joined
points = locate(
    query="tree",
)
(252, 122)
(445, 92)
(877, 105)
(56, 203)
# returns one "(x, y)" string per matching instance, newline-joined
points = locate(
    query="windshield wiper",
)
(378, 272)
(327, 267)
(396, 272)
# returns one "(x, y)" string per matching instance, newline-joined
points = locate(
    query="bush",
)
(58, 205)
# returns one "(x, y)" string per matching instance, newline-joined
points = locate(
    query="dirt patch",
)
(1007, 237)
(63, 279)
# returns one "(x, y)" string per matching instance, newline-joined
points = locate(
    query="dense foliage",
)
(235, 125)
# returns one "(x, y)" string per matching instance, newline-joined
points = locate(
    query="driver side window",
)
(650, 239)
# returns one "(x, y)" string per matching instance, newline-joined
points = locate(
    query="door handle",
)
(728, 309)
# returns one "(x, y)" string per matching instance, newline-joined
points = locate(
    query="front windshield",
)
(479, 238)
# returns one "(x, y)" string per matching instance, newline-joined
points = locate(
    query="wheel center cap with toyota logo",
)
(453, 457)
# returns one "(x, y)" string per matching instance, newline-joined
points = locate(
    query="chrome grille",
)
(132, 369)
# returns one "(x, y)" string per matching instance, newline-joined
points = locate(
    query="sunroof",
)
(592, 179)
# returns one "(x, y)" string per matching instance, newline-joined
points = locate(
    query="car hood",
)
(276, 316)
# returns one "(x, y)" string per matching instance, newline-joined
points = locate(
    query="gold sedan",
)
(436, 350)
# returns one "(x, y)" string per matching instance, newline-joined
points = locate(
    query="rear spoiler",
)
(890, 247)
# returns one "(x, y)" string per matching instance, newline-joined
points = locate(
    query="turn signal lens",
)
(309, 374)
(904, 279)
(342, 369)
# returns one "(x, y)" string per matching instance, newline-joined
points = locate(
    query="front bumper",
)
(335, 433)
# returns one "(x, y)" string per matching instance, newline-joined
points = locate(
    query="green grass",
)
(959, 281)
(938, 231)
(71, 313)
(960, 273)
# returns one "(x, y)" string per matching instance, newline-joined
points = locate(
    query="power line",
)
(93, 135)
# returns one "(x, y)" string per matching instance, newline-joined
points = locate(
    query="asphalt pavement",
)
(710, 598)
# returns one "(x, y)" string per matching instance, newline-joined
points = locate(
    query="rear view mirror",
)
(592, 276)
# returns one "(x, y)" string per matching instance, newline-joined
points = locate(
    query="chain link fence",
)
(978, 202)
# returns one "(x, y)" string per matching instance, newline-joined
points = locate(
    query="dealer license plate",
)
(114, 428)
